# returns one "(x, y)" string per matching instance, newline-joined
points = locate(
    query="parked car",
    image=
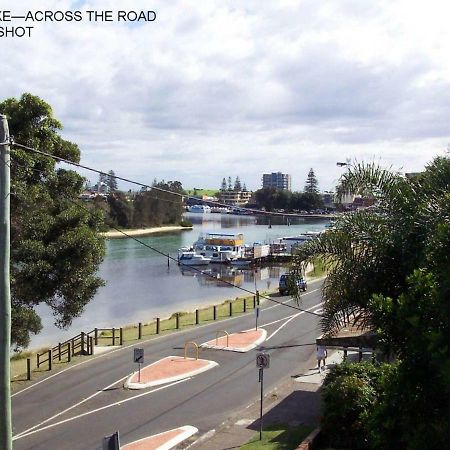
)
(289, 282)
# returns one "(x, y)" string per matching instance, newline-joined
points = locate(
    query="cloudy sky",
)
(218, 88)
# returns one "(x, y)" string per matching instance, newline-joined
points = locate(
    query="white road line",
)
(103, 355)
(71, 407)
(287, 321)
(290, 300)
(15, 438)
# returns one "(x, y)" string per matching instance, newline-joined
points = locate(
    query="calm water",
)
(140, 286)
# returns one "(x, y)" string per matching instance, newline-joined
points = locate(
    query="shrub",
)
(185, 223)
(349, 395)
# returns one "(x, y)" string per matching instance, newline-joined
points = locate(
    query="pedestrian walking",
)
(321, 355)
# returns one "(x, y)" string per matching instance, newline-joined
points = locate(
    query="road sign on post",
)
(111, 442)
(138, 356)
(262, 362)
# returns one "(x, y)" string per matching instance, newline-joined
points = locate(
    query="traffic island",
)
(162, 441)
(242, 342)
(168, 370)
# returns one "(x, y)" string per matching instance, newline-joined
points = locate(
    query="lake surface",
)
(140, 286)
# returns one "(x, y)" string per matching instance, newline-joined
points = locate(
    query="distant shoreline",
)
(142, 231)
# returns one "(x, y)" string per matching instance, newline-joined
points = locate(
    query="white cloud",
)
(218, 88)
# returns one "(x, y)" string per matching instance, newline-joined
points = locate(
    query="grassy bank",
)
(278, 437)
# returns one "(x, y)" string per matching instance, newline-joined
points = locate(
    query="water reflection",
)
(226, 276)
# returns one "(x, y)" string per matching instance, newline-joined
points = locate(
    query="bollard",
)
(113, 336)
(120, 336)
(82, 343)
(96, 335)
(345, 353)
(168, 260)
(50, 359)
(28, 369)
(231, 308)
(158, 326)
(245, 305)
(59, 351)
(197, 317)
(254, 301)
(139, 330)
(69, 352)
(177, 321)
(214, 312)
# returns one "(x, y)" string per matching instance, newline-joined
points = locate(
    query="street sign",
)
(262, 360)
(111, 442)
(139, 355)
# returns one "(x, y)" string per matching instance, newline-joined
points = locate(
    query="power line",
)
(167, 255)
(127, 180)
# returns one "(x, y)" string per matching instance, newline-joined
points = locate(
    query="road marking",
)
(71, 407)
(149, 340)
(290, 300)
(287, 321)
(318, 311)
(15, 438)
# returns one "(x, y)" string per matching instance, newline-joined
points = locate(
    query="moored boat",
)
(192, 259)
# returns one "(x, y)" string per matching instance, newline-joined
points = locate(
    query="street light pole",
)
(5, 295)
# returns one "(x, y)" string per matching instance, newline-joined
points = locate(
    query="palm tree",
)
(373, 252)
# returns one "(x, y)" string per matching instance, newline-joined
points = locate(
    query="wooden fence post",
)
(96, 335)
(82, 343)
(113, 336)
(254, 301)
(158, 325)
(197, 318)
(177, 321)
(73, 347)
(59, 351)
(91, 341)
(50, 357)
(120, 336)
(245, 304)
(69, 352)
(38, 363)
(231, 309)
(214, 312)
(28, 369)
(140, 330)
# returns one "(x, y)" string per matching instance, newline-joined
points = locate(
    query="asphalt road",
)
(75, 408)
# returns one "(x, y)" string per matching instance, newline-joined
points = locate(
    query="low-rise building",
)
(234, 198)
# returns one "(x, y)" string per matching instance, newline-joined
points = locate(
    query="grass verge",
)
(278, 437)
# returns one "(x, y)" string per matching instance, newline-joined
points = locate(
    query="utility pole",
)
(5, 295)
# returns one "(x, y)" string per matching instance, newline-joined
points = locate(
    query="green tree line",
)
(272, 199)
(144, 209)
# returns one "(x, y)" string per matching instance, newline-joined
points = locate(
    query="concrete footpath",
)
(295, 401)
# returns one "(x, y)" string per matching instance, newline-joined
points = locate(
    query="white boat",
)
(220, 247)
(193, 259)
(242, 262)
(292, 241)
(199, 209)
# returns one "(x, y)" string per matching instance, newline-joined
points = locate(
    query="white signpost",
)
(262, 362)
(139, 359)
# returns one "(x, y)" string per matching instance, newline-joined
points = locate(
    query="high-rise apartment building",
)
(277, 180)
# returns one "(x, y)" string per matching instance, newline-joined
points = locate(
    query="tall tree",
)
(230, 185)
(223, 186)
(55, 248)
(312, 185)
(111, 181)
(237, 185)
